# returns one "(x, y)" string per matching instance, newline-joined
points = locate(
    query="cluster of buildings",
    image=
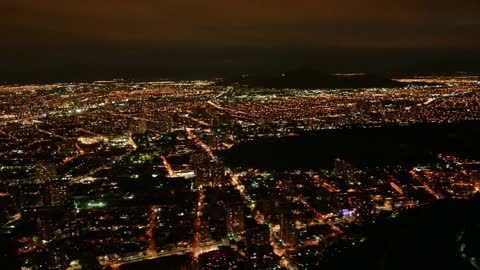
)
(117, 175)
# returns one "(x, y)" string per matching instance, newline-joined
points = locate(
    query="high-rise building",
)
(208, 172)
(256, 234)
(58, 259)
(199, 158)
(217, 221)
(204, 229)
(51, 223)
(259, 252)
(287, 229)
(45, 171)
(217, 173)
(235, 218)
(54, 194)
(343, 169)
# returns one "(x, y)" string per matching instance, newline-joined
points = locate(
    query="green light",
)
(96, 204)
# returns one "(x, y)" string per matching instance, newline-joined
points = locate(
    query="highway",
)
(418, 177)
(200, 143)
(141, 256)
(324, 184)
(167, 165)
(51, 134)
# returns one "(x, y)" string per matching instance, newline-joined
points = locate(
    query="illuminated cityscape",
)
(196, 174)
(239, 135)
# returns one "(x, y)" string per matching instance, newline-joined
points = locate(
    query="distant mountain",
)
(310, 79)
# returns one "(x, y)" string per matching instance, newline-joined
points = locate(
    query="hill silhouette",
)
(307, 78)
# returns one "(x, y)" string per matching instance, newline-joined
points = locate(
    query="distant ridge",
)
(307, 78)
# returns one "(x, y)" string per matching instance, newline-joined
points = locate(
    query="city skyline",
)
(229, 175)
(239, 134)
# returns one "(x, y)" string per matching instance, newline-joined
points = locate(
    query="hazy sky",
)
(140, 37)
(267, 23)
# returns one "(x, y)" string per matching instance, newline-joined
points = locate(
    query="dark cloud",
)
(191, 36)
(350, 23)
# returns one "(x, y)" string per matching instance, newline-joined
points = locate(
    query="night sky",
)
(125, 35)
